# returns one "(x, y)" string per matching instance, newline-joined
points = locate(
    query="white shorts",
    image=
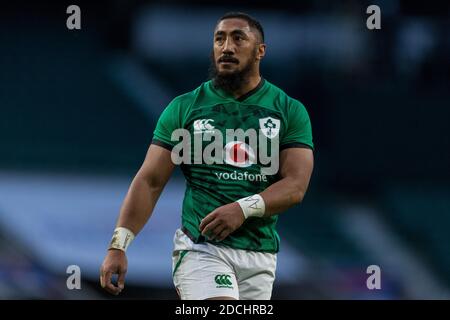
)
(204, 270)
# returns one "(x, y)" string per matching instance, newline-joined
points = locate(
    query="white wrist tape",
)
(252, 206)
(122, 238)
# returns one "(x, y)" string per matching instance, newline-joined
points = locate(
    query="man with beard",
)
(226, 247)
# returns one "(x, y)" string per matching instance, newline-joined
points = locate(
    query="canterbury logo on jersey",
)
(203, 125)
(223, 281)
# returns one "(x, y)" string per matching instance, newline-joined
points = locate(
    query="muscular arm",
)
(137, 208)
(296, 165)
(145, 189)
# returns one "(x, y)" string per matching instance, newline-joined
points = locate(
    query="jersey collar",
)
(245, 96)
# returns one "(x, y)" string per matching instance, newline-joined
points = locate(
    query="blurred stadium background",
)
(78, 108)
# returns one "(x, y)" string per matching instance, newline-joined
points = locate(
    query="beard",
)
(230, 81)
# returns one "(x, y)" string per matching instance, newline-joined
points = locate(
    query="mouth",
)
(228, 61)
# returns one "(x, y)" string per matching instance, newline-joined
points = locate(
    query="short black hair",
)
(252, 22)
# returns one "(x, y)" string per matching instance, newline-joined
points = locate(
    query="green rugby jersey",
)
(206, 109)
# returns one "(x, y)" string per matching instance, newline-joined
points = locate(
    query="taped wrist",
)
(121, 239)
(252, 206)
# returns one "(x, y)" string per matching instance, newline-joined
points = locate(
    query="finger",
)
(207, 230)
(225, 233)
(214, 234)
(108, 286)
(112, 289)
(121, 280)
(210, 217)
(102, 277)
(106, 278)
(101, 281)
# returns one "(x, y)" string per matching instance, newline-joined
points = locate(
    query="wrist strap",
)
(252, 206)
(121, 239)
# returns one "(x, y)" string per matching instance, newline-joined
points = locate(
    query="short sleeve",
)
(298, 132)
(168, 122)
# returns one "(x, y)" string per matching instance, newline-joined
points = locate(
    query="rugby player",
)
(226, 247)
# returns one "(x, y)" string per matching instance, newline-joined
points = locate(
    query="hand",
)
(115, 263)
(224, 220)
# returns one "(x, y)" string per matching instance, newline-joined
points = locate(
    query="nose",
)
(228, 47)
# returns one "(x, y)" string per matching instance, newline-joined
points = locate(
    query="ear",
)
(261, 51)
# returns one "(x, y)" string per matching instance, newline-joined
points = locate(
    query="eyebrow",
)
(234, 32)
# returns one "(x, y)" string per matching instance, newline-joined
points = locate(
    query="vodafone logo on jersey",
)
(239, 154)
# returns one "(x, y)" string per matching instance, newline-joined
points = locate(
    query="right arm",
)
(145, 189)
(137, 208)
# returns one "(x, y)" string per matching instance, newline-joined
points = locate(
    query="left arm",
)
(296, 165)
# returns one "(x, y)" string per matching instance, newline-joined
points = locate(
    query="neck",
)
(251, 83)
